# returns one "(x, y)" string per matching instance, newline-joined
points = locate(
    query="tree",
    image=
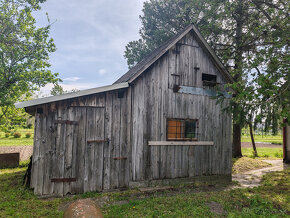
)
(250, 37)
(24, 52)
(13, 117)
(58, 90)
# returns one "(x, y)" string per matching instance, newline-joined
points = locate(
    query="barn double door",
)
(78, 152)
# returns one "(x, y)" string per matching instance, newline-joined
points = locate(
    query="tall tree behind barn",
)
(157, 123)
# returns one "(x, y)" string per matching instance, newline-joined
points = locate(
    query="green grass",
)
(16, 201)
(10, 141)
(266, 138)
(264, 152)
(269, 200)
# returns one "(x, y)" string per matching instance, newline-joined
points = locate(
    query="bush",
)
(7, 135)
(29, 126)
(28, 135)
(17, 135)
(279, 154)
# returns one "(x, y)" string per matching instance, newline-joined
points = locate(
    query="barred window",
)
(182, 129)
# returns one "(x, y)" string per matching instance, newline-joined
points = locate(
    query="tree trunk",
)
(253, 140)
(237, 151)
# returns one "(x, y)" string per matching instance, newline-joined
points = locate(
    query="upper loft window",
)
(182, 129)
(208, 80)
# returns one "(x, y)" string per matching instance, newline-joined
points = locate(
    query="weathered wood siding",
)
(92, 149)
(153, 101)
(100, 142)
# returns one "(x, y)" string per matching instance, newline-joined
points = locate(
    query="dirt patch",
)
(260, 145)
(216, 208)
(25, 151)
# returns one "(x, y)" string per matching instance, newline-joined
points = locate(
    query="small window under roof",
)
(208, 79)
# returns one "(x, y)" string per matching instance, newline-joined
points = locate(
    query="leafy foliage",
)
(12, 117)
(24, 51)
(58, 90)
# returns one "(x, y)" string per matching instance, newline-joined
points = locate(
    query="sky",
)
(90, 37)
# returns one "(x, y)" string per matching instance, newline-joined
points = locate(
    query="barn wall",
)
(153, 100)
(129, 121)
(63, 151)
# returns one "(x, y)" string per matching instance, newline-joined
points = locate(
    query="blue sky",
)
(90, 37)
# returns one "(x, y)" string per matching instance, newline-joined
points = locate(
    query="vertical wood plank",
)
(108, 135)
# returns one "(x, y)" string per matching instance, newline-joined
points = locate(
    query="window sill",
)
(180, 143)
(182, 139)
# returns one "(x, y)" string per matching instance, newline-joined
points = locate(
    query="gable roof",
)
(139, 68)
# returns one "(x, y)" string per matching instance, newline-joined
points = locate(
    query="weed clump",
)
(17, 135)
(28, 135)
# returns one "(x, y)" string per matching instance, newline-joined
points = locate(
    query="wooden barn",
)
(157, 124)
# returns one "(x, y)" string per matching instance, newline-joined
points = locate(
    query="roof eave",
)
(71, 95)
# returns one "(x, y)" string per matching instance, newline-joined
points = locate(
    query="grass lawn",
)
(277, 139)
(264, 152)
(272, 199)
(17, 141)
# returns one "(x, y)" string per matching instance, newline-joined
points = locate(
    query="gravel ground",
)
(260, 145)
(25, 151)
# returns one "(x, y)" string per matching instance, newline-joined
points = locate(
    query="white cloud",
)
(102, 71)
(91, 34)
(71, 79)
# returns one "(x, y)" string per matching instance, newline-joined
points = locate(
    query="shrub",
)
(29, 126)
(7, 134)
(28, 135)
(279, 154)
(17, 135)
(265, 155)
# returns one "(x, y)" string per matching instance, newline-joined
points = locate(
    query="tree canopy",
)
(24, 51)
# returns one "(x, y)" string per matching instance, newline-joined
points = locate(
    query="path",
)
(253, 178)
(260, 145)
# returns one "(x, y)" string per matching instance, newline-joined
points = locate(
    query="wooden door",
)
(77, 159)
(69, 151)
(95, 141)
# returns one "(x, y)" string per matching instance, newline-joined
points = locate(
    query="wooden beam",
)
(119, 158)
(180, 143)
(87, 106)
(98, 141)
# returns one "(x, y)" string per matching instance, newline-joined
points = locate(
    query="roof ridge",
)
(149, 59)
(150, 55)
